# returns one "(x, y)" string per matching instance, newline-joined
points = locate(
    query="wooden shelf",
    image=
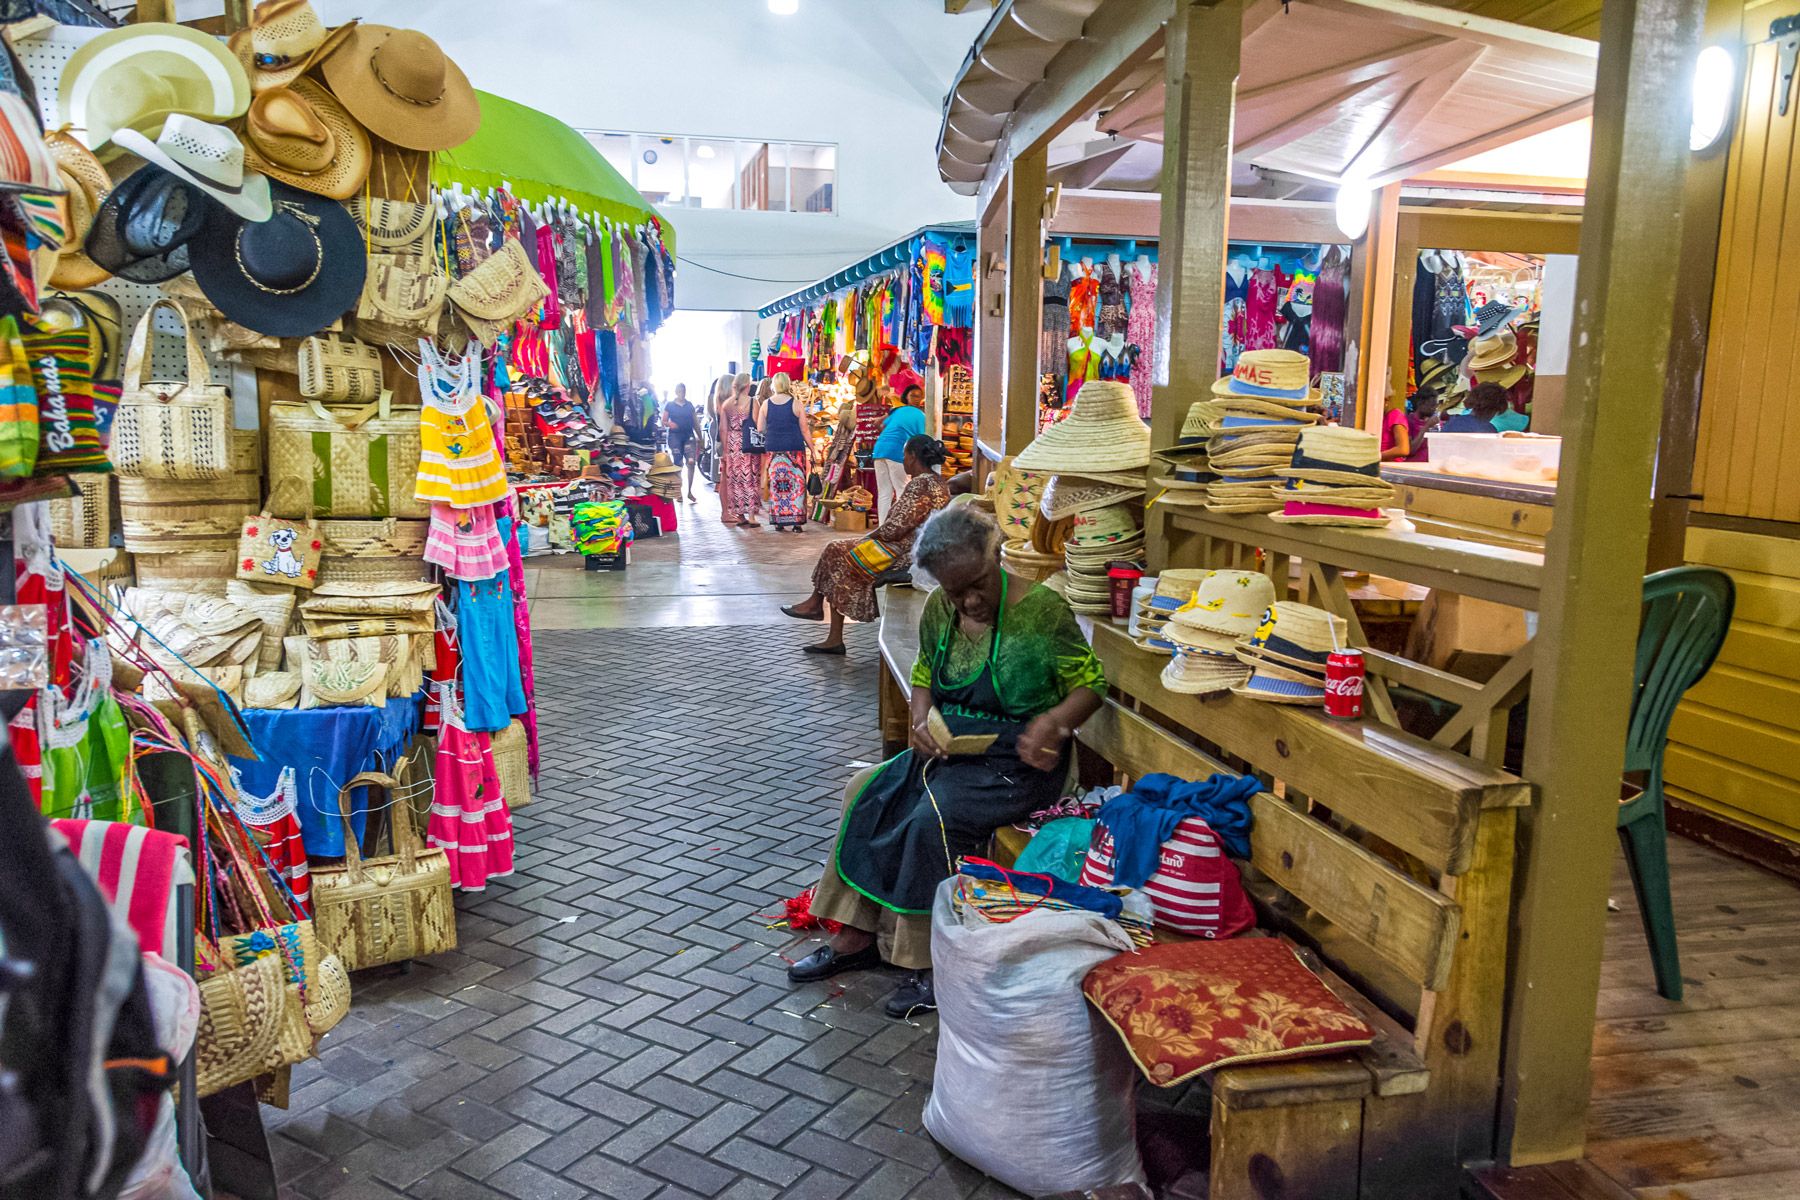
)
(1495, 573)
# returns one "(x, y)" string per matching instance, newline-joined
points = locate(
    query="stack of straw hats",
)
(1257, 413)
(1172, 589)
(1186, 467)
(1335, 479)
(1287, 653)
(1068, 496)
(1102, 432)
(1206, 633)
(665, 477)
(1096, 540)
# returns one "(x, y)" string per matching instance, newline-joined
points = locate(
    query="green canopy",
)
(542, 159)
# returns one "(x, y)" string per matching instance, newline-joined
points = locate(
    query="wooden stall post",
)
(1593, 568)
(1200, 56)
(1384, 262)
(1024, 293)
(990, 331)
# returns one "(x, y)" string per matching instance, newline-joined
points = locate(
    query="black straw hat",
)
(142, 229)
(289, 276)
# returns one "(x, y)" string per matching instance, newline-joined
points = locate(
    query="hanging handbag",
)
(501, 290)
(344, 462)
(402, 300)
(18, 405)
(170, 429)
(754, 442)
(339, 370)
(280, 550)
(242, 1010)
(398, 227)
(386, 909)
(62, 372)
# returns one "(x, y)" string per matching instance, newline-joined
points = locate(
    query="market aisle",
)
(616, 1021)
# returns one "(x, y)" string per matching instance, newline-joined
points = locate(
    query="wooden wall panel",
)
(1747, 451)
(1734, 746)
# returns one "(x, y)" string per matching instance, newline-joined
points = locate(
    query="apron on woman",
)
(903, 833)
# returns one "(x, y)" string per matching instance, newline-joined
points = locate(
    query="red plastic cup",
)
(1124, 576)
(1344, 684)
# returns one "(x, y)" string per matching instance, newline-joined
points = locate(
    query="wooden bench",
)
(1388, 861)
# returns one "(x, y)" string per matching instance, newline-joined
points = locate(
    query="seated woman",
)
(997, 655)
(845, 574)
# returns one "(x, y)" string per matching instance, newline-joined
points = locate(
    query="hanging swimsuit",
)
(894, 840)
(458, 461)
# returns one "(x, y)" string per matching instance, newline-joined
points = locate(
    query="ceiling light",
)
(784, 8)
(1355, 200)
(1715, 87)
(704, 152)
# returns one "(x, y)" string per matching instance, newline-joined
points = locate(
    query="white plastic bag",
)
(1031, 1086)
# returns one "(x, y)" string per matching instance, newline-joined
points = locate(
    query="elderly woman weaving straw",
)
(847, 571)
(998, 655)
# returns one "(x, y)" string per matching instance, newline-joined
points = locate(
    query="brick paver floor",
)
(616, 1021)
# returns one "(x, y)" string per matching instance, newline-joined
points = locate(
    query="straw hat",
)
(1102, 432)
(1295, 636)
(282, 36)
(1130, 479)
(301, 135)
(1196, 427)
(1263, 686)
(88, 185)
(1491, 350)
(1069, 495)
(1230, 602)
(137, 76)
(1202, 641)
(1203, 674)
(1280, 376)
(1222, 445)
(404, 87)
(1185, 481)
(1111, 525)
(208, 156)
(1336, 454)
(1295, 513)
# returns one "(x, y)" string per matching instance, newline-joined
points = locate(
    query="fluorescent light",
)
(784, 8)
(1354, 202)
(704, 152)
(1715, 87)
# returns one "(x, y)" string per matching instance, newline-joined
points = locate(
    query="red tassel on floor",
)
(798, 910)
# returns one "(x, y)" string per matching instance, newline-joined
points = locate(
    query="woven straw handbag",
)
(402, 300)
(339, 370)
(280, 550)
(273, 608)
(387, 909)
(398, 227)
(86, 520)
(242, 1010)
(171, 516)
(170, 429)
(339, 569)
(316, 980)
(203, 567)
(512, 761)
(375, 539)
(498, 292)
(344, 462)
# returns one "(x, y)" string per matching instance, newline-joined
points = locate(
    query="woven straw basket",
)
(388, 538)
(168, 516)
(204, 566)
(387, 909)
(84, 521)
(242, 1012)
(338, 569)
(512, 762)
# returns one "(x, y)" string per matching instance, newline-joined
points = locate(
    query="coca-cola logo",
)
(1351, 686)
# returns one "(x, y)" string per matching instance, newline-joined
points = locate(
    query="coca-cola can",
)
(1344, 684)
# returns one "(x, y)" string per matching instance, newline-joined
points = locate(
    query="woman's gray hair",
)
(960, 534)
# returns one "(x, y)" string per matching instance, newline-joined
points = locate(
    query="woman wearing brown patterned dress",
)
(846, 571)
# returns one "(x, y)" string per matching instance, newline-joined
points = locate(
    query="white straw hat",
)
(1103, 432)
(1230, 602)
(137, 75)
(1068, 495)
(208, 156)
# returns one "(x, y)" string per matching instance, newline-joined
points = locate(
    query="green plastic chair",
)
(1687, 611)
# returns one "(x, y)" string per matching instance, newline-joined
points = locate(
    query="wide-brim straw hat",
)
(1196, 428)
(1102, 432)
(300, 134)
(402, 85)
(1491, 350)
(88, 185)
(136, 76)
(1070, 495)
(1298, 634)
(1223, 445)
(1507, 376)
(1262, 686)
(1281, 376)
(1203, 674)
(1347, 490)
(1291, 514)
(1202, 641)
(1177, 484)
(1130, 479)
(1230, 602)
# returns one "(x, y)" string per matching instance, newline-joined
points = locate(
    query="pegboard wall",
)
(44, 54)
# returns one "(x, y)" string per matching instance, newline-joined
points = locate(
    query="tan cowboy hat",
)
(87, 184)
(136, 76)
(404, 87)
(282, 37)
(301, 135)
(1492, 350)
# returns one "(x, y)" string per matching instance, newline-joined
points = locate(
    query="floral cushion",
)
(1187, 1007)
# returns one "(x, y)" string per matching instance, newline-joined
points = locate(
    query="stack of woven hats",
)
(1096, 540)
(1287, 653)
(1257, 413)
(1205, 633)
(665, 477)
(1172, 589)
(1335, 479)
(1186, 467)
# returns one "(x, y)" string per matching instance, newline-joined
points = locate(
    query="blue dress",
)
(493, 690)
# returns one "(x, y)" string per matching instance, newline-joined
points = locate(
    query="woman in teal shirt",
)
(904, 423)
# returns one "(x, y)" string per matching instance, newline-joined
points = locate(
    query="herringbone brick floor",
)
(616, 1021)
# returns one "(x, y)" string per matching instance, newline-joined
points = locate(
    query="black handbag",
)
(754, 442)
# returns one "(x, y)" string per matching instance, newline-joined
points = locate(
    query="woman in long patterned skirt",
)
(787, 432)
(739, 471)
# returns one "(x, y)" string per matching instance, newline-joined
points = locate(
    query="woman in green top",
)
(998, 655)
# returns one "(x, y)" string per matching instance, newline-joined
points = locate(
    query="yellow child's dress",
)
(459, 464)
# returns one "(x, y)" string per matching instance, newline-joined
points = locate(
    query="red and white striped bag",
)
(1195, 890)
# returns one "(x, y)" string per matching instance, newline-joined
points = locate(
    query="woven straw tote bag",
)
(242, 1010)
(375, 539)
(388, 909)
(86, 520)
(170, 429)
(512, 763)
(344, 462)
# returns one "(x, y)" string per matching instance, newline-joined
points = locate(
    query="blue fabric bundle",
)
(1093, 899)
(1142, 819)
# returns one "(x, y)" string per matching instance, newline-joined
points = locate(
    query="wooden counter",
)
(1514, 515)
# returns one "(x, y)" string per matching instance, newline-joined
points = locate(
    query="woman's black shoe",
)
(825, 962)
(914, 995)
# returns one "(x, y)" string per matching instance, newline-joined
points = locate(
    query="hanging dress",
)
(470, 821)
(492, 687)
(1236, 320)
(1140, 331)
(458, 463)
(1117, 366)
(465, 542)
(1053, 340)
(787, 465)
(1259, 310)
(1084, 298)
(1111, 316)
(274, 820)
(1084, 364)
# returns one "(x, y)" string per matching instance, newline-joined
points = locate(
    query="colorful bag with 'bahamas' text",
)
(18, 406)
(62, 370)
